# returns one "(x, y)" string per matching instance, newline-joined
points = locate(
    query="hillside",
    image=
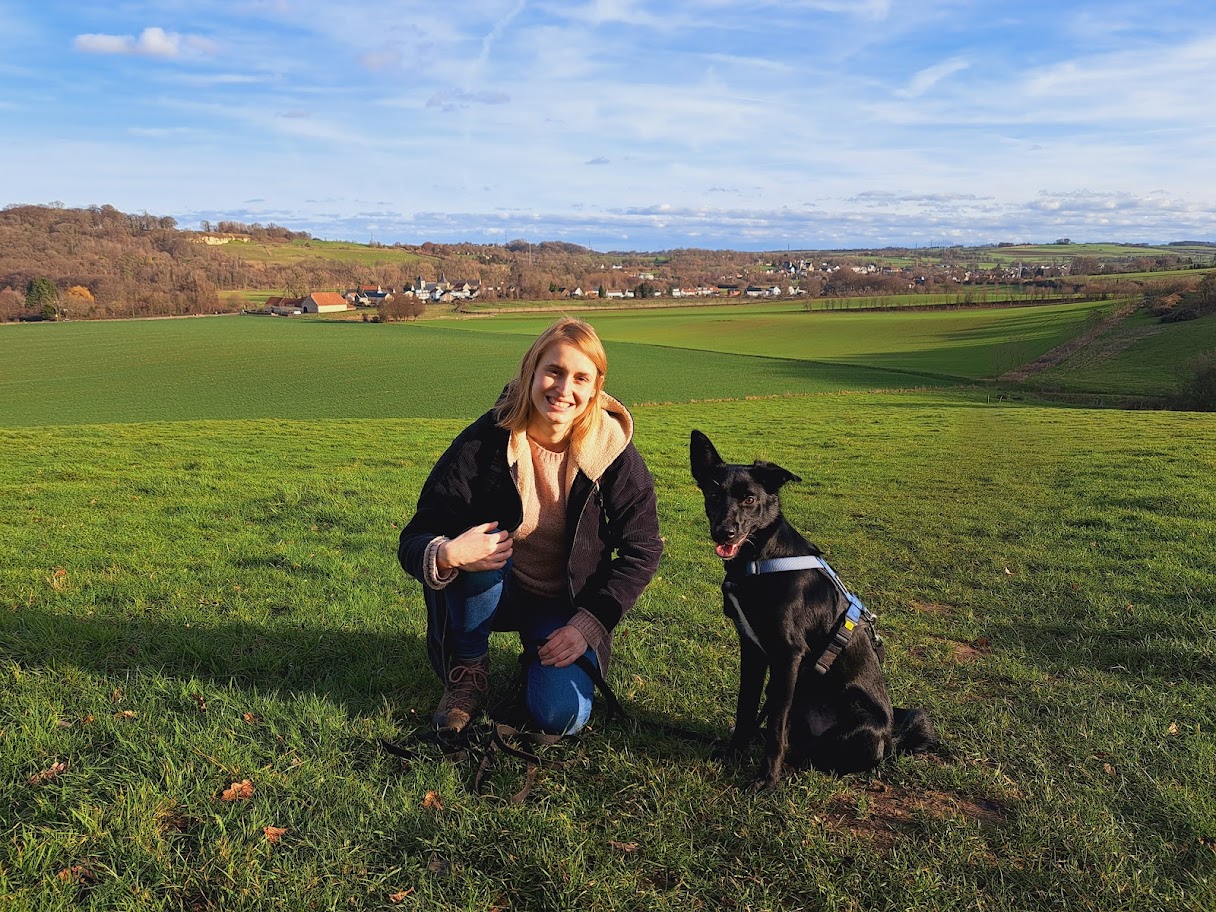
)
(99, 262)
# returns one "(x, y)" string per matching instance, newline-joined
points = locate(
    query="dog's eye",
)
(749, 500)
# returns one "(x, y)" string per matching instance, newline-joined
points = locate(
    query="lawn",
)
(199, 590)
(266, 367)
(193, 605)
(966, 345)
(285, 254)
(1140, 356)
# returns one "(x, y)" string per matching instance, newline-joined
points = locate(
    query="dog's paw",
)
(731, 752)
(766, 782)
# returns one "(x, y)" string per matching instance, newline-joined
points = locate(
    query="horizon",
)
(625, 125)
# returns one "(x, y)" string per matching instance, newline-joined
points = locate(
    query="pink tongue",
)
(726, 552)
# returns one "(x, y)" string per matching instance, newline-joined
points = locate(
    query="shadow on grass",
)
(361, 670)
(1143, 649)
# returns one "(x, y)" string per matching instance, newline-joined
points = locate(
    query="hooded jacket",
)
(612, 530)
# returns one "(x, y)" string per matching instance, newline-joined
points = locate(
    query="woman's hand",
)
(563, 647)
(482, 547)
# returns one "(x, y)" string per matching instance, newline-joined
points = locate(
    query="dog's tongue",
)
(726, 552)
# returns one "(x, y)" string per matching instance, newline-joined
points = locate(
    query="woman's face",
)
(562, 387)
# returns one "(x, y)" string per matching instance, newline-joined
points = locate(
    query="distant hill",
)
(100, 262)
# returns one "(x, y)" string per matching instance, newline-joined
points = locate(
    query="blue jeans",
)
(558, 699)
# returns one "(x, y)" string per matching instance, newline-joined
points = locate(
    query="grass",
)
(286, 254)
(261, 367)
(248, 567)
(963, 344)
(198, 587)
(1140, 356)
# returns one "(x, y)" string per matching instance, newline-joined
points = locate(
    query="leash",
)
(855, 615)
(485, 743)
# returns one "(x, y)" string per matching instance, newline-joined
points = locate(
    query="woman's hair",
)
(514, 409)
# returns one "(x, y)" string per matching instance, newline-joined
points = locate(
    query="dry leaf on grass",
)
(627, 847)
(398, 897)
(51, 772)
(274, 833)
(1173, 729)
(199, 702)
(78, 874)
(251, 718)
(238, 791)
(433, 801)
(118, 695)
(124, 714)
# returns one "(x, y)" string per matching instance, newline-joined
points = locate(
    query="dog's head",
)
(740, 500)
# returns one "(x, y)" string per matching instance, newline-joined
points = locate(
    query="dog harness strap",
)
(855, 614)
(740, 619)
(840, 636)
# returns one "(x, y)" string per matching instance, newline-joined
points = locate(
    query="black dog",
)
(827, 702)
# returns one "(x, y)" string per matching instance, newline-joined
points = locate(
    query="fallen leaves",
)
(274, 833)
(398, 897)
(238, 791)
(125, 714)
(58, 579)
(78, 874)
(251, 718)
(49, 774)
(199, 702)
(627, 847)
(432, 801)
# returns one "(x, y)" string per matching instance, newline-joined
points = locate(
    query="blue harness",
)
(855, 614)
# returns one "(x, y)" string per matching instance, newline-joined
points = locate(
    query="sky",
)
(622, 124)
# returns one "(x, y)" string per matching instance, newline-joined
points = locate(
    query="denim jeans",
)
(558, 699)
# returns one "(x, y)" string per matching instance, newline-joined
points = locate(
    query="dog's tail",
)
(914, 733)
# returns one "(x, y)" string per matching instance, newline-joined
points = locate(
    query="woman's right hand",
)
(482, 547)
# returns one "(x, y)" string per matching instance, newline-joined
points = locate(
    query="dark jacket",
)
(612, 530)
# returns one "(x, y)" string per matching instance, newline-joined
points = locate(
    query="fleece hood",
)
(597, 451)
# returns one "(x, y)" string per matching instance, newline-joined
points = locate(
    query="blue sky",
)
(622, 124)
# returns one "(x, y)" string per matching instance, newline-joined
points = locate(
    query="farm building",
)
(325, 302)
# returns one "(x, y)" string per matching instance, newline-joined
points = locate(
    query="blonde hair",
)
(514, 409)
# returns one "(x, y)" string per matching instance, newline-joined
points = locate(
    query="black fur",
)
(839, 722)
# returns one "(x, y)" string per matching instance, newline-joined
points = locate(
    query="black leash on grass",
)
(486, 742)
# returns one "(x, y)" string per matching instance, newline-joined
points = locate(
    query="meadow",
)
(235, 367)
(198, 587)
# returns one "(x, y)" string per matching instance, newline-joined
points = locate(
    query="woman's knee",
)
(470, 584)
(559, 699)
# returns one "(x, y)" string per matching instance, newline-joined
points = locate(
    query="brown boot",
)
(463, 693)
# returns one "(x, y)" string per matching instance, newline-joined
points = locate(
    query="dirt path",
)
(1069, 348)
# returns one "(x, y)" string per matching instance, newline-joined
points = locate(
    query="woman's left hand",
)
(563, 647)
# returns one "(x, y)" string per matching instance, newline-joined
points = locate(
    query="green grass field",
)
(285, 254)
(1141, 356)
(965, 345)
(193, 600)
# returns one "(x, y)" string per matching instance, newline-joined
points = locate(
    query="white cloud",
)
(927, 78)
(152, 42)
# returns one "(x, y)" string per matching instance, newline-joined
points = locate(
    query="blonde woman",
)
(539, 518)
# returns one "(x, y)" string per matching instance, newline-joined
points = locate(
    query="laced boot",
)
(463, 694)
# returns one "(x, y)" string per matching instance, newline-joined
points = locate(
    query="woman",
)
(540, 518)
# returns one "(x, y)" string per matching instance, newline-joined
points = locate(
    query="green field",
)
(199, 586)
(285, 254)
(1139, 357)
(964, 345)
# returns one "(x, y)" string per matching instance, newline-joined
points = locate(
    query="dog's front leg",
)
(752, 664)
(782, 676)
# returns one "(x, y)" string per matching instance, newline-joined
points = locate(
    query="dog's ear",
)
(772, 476)
(702, 457)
